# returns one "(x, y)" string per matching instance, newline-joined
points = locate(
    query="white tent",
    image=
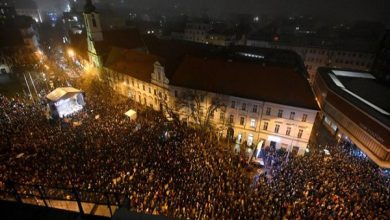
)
(61, 92)
(131, 114)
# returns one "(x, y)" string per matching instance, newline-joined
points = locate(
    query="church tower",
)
(94, 32)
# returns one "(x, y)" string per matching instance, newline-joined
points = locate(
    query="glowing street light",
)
(71, 53)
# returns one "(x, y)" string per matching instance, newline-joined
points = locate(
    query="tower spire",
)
(89, 7)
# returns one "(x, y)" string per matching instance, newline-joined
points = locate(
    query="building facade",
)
(197, 32)
(246, 121)
(256, 101)
(355, 108)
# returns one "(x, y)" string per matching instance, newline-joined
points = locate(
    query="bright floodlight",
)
(71, 53)
(65, 101)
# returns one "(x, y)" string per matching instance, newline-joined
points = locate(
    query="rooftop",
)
(135, 63)
(247, 80)
(260, 74)
(62, 92)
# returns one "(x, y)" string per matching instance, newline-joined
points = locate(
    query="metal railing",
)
(72, 199)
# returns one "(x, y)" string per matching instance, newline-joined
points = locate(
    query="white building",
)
(258, 101)
(282, 118)
(197, 32)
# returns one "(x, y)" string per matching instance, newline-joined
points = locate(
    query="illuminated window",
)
(253, 123)
(288, 131)
(280, 113)
(300, 133)
(265, 126)
(242, 120)
(268, 111)
(277, 128)
(292, 115)
(304, 117)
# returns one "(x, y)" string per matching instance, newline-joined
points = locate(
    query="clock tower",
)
(94, 32)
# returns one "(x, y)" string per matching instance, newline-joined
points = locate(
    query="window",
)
(254, 110)
(155, 92)
(277, 128)
(300, 133)
(253, 123)
(175, 93)
(242, 120)
(304, 117)
(150, 91)
(265, 126)
(280, 113)
(231, 119)
(268, 111)
(132, 82)
(243, 107)
(143, 87)
(288, 131)
(292, 115)
(233, 104)
(222, 116)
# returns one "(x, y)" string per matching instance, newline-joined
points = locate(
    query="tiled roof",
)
(275, 84)
(134, 63)
(206, 68)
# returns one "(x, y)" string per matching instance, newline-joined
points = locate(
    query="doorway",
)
(272, 145)
(250, 140)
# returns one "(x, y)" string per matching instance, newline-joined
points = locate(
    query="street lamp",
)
(71, 53)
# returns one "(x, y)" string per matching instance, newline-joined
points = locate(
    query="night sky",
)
(343, 9)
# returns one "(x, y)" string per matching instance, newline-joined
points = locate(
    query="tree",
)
(200, 107)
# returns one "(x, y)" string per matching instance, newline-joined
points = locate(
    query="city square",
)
(181, 130)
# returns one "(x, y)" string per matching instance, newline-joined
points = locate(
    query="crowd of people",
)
(171, 169)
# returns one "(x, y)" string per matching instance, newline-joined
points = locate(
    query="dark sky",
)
(344, 9)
